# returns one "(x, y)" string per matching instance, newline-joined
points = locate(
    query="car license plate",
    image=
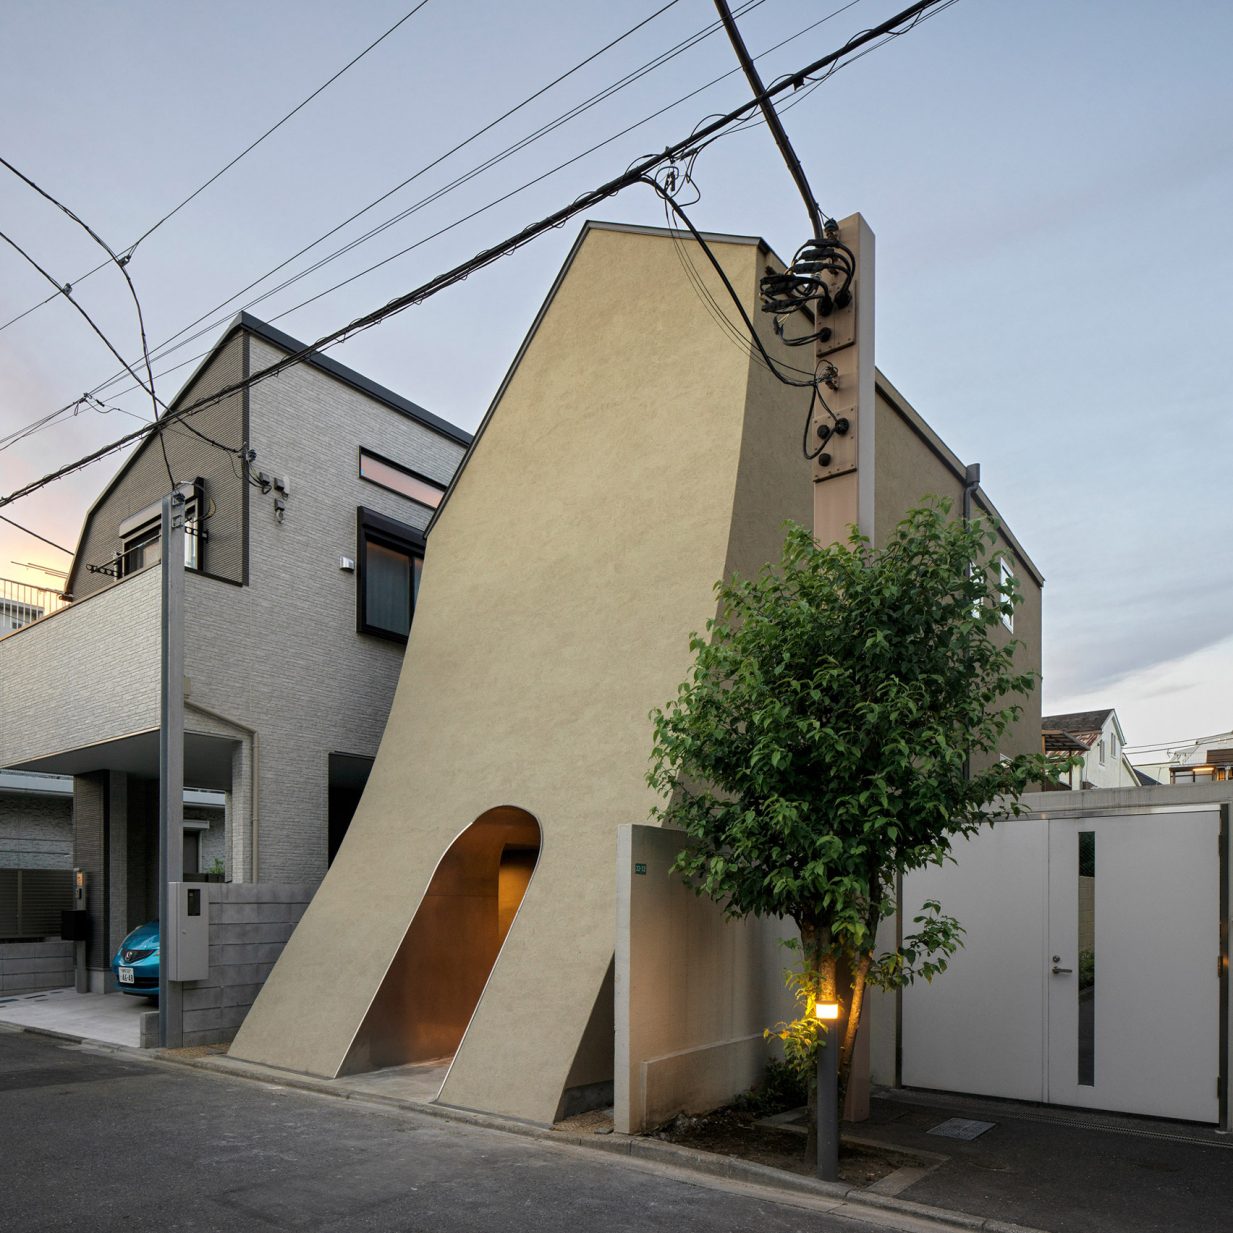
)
(126, 976)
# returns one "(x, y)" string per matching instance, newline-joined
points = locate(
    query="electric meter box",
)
(187, 947)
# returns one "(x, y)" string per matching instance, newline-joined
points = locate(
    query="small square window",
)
(390, 556)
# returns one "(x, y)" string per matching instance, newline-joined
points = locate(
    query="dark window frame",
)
(404, 469)
(375, 528)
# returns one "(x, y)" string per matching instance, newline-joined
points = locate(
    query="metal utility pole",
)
(171, 764)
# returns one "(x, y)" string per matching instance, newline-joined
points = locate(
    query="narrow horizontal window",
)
(399, 479)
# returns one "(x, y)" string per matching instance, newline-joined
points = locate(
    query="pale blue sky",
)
(1049, 183)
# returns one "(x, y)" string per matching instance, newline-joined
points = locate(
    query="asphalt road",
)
(94, 1142)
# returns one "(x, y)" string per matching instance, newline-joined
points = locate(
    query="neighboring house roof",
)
(285, 342)
(1084, 726)
(1145, 780)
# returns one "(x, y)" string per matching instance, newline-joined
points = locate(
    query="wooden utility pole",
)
(843, 471)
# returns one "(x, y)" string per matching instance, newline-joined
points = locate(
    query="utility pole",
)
(171, 765)
(843, 469)
(829, 283)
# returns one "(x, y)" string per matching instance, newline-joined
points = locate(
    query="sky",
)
(1049, 183)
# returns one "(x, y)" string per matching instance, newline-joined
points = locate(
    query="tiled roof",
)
(1084, 725)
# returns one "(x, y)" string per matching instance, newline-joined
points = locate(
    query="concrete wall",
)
(249, 926)
(26, 967)
(576, 553)
(693, 990)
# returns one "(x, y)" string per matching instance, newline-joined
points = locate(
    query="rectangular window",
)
(390, 556)
(1005, 583)
(400, 479)
(1102, 752)
(141, 535)
(1087, 958)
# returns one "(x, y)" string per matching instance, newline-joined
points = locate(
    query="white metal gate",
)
(1091, 971)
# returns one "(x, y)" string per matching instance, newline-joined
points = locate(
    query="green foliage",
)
(217, 866)
(781, 1089)
(823, 741)
(924, 953)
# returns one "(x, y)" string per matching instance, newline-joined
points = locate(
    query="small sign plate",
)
(640, 868)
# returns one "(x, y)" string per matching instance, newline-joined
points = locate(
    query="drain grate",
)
(961, 1128)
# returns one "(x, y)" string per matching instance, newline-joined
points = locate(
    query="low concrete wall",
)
(250, 923)
(26, 967)
(693, 991)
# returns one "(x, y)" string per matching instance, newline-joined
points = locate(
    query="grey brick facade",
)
(277, 676)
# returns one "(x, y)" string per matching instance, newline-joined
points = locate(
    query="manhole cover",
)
(961, 1128)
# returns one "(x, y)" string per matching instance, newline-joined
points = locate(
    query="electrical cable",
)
(132, 248)
(51, 543)
(638, 173)
(771, 117)
(163, 350)
(630, 78)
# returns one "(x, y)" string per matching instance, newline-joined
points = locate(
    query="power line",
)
(499, 200)
(640, 171)
(771, 117)
(163, 349)
(223, 170)
(544, 130)
(51, 543)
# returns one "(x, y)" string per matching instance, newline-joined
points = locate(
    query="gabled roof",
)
(263, 330)
(285, 342)
(1085, 726)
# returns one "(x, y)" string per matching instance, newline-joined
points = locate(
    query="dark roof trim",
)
(396, 402)
(916, 422)
(588, 226)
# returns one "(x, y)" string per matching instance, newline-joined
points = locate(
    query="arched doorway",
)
(435, 981)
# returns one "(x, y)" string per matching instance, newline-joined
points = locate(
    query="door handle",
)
(1058, 971)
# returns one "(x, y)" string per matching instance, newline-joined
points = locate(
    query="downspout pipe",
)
(254, 787)
(971, 482)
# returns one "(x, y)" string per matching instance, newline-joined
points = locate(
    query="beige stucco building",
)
(477, 915)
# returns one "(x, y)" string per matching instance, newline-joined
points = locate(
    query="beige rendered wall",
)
(576, 553)
(912, 463)
(693, 990)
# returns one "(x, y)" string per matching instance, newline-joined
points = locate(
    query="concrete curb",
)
(647, 1150)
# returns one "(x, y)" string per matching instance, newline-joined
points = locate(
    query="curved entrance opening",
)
(435, 981)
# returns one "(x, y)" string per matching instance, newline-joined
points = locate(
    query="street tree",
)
(842, 725)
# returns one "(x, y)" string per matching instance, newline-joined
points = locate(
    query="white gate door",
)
(1133, 964)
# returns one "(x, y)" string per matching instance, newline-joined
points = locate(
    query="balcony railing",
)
(21, 603)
